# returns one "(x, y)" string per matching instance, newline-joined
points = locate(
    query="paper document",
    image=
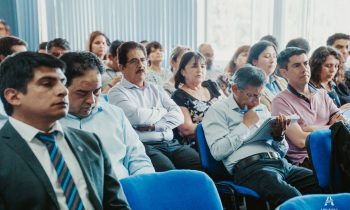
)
(264, 131)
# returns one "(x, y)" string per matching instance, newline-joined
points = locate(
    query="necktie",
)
(65, 179)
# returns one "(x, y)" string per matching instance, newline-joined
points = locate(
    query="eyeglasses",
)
(251, 96)
(136, 61)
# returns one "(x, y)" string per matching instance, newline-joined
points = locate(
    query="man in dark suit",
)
(43, 165)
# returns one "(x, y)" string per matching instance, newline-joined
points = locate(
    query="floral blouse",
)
(196, 107)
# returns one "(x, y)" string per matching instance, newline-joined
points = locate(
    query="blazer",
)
(267, 96)
(25, 185)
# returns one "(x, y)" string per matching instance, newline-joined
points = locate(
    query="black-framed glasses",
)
(137, 61)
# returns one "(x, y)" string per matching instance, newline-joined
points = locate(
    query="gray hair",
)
(249, 75)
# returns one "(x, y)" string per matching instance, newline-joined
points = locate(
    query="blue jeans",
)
(276, 180)
(169, 155)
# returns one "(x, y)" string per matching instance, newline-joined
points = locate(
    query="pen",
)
(247, 110)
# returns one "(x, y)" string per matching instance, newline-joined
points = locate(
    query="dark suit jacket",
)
(25, 185)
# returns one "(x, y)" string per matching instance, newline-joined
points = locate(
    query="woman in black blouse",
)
(193, 94)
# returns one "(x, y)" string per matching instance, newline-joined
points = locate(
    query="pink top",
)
(315, 111)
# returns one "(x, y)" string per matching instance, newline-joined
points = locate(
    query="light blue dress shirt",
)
(122, 143)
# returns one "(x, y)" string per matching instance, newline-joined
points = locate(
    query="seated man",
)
(259, 165)
(109, 122)
(43, 165)
(314, 107)
(151, 112)
(57, 47)
(8, 46)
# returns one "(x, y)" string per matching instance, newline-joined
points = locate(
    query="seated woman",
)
(156, 74)
(327, 67)
(238, 60)
(194, 96)
(264, 56)
(175, 58)
(98, 43)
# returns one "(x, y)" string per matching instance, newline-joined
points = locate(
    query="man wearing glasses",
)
(260, 164)
(151, 112)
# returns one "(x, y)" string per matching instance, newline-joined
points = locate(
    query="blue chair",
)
(171, 190)
(319, 146)
(217, 171)
(317, 202)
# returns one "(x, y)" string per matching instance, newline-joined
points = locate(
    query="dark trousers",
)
(276, 180)
(169, 155)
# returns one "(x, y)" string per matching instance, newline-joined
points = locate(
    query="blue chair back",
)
(214, 168)
(319, 146)
(171, 190)
(317, 202)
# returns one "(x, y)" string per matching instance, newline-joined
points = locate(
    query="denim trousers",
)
(169, 155)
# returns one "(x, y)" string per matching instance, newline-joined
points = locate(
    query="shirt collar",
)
(96, 109)
(312, 90)
(128, 85)
(28, 132)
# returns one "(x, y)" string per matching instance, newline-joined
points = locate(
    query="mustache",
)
(140, 71)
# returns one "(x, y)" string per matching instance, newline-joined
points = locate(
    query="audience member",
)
(57, 47)
(151, 112)
(314, 107)
(175, 58)
(324, 64)
(238, 60)
(195, 95)
(42, 47)
(10, 45)
(213, 70)
(144, 42)
(4, 29)
(272, 39)
(259, 165)
(340, 42)
(300, 43)
(98, 44)
(109, 122)
(112, 75)
(156, 74)
(263, 55)
(45, 165)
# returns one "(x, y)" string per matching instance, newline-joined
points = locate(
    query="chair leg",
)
(229, 201)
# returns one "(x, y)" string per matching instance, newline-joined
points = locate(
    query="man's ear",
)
(284, 72)
(234, 88)
(12, 96)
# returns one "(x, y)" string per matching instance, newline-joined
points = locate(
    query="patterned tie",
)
(65, 179)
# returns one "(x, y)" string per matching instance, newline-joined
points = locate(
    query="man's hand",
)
(251, 117)
(279, 127)
(336, 117)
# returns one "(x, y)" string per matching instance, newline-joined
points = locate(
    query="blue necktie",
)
(65, 179)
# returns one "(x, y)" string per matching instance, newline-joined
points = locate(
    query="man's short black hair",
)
(284, 55)
(17, 71)
(58, 42)
(124, 49)
(335, 37)
(114, 47)
(78, 63)
(7, 42)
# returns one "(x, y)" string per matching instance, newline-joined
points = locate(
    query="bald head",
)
(207, 50)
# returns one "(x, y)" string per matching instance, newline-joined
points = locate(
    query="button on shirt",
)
(147, 106)
(122, 143)
(39, 149)
(226, 134)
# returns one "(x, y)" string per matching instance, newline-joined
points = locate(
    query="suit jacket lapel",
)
(82, 155)
(12, 138)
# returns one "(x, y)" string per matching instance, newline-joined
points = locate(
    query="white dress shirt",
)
(147, 106)
(40, 150)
